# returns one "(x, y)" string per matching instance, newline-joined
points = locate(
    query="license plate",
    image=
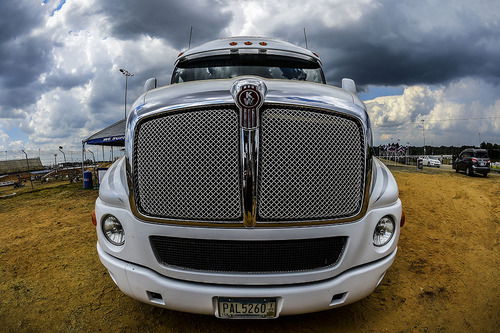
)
(235, 307)
(481, 164)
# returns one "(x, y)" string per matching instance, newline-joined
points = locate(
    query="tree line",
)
(493, 150)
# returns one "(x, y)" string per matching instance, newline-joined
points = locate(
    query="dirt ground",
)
(445, 277)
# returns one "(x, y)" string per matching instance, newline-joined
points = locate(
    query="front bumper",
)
(481, 169)
(146, 285)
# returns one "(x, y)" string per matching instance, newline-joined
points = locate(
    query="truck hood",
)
(198, 93)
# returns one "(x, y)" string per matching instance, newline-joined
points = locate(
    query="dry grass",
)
(445, 277)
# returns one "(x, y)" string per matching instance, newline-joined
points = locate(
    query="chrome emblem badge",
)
(249, 95)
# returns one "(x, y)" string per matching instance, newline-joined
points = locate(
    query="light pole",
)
(55, 161)
(64, 155)
(28, 163)
(93, 157)
(407, 151)
(127, 74)
(423, 132)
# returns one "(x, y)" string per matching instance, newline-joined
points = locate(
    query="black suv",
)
(473, 161)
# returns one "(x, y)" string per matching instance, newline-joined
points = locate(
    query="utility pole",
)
(407, 150)
(305, 38)
(190, 37)
(93, 157)
(28, 163)
(64, 155)
(127, 74)
(423, 132)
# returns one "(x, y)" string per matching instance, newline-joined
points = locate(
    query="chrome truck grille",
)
(187, 165)
(311, 165)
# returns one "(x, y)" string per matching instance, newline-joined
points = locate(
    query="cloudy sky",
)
(437, 61)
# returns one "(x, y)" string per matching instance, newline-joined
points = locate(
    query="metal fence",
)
(412, 159)
(51, 158)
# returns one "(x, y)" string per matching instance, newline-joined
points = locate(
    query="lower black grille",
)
(248, 256)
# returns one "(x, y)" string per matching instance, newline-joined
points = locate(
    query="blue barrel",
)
(87, 180)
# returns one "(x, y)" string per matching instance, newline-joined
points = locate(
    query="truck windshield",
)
(266, 66)
(481, 154)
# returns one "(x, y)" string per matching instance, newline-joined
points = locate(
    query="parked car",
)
(473, 161)
(430, 161)
(248, 189)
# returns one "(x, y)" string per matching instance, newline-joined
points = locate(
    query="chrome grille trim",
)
(189, 174)
(307, 155)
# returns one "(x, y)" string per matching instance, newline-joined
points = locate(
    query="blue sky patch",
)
(58, 8)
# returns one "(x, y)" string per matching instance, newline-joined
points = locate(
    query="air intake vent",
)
(248, 256)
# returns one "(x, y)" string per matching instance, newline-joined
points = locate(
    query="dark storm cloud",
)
(22, 57)
(169, 20)
(23, 60)
(395, 43)
(67, 80)
(103, 94)
(17, 19)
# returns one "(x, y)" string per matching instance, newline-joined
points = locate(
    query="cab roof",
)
(245, 44)
(475, 149)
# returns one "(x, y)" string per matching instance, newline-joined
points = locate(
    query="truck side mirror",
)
(151, 83)
(349, 85)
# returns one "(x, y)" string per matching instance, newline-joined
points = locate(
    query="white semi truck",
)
(248, 189)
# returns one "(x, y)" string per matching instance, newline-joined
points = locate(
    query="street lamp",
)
(423, 132)
(127, 74)
(28, 163)
(407, 151)
(93, 157)
(60, 149)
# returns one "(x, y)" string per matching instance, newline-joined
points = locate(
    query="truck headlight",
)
(113, 230)
(383, 231)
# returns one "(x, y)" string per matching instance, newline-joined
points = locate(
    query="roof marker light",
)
(263, 43)
(233, 43)
(180, 54)
(248, 43)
